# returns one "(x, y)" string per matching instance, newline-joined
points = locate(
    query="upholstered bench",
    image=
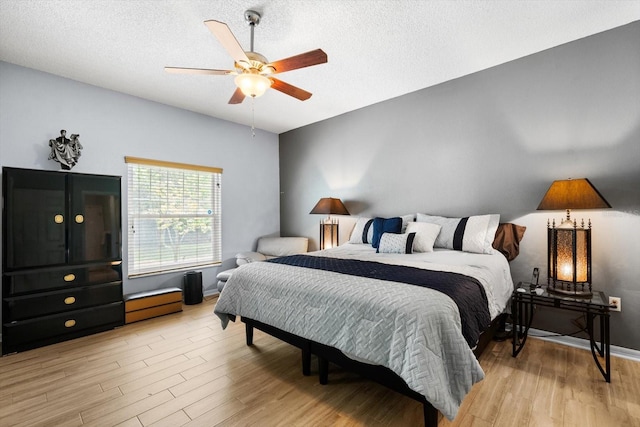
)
(148, 304)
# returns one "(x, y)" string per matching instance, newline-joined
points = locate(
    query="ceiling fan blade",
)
(229, 42)
(237, 97)
(313, 57)
(290, 90)
(180, 70)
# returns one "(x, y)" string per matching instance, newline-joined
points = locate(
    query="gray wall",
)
(492, 142)
(34, 106)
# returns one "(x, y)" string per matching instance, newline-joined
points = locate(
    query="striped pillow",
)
(362, 231)
(470, 234)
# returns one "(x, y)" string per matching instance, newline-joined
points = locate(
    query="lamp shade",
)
(572, 194)
(329, 206)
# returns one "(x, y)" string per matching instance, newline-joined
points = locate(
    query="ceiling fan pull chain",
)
(253, 117)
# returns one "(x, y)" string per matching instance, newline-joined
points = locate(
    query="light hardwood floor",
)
(182, 369)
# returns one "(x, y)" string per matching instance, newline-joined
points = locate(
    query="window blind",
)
(174, 216)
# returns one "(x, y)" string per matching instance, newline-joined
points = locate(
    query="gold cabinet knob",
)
(70, 323)
(79, 219)
(58, 219)
(69, 300)
(69, 277)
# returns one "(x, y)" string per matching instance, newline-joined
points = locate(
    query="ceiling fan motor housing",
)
(257, 62)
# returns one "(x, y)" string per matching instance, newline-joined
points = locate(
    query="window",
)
(174, 216)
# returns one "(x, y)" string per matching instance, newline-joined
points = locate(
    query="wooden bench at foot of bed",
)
(148, 304)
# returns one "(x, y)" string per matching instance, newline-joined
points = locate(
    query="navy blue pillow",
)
(385, 225)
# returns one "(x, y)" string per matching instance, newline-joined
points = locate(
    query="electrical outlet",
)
(615, 303)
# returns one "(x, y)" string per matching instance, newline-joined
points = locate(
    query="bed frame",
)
(377, 373)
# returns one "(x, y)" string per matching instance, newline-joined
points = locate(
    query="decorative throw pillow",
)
(470, 234)
(392, 243)
(426, 234)
(507, 240)
(385, 225)
(362, 231)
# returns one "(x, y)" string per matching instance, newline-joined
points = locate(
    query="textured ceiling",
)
(377, 49)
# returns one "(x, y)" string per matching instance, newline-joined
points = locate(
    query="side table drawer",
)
(44, 330)
(28, 306)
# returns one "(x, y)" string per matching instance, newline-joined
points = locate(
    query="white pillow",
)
(406, 219)
(470, 234)
(426, 234)
(393, 243)
(362, 231)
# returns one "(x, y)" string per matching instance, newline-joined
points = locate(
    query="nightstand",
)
(523, 308)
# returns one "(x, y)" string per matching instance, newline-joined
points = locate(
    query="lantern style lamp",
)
(329, 226)
(569, 245)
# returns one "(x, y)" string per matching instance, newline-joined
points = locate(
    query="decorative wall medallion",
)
(65, 151)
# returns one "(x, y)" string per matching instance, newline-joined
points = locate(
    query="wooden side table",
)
(522, 311)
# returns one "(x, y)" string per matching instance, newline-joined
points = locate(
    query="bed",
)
(349, 305)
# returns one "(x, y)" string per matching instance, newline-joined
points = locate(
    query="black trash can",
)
(193, 287)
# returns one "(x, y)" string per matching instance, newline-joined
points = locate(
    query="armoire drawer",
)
(23, 334)
(38, 280)
(44, 303)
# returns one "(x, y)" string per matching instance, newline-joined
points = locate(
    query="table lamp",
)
(329, 227)
(569, 245)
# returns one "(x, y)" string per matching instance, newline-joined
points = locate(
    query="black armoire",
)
(61, 257)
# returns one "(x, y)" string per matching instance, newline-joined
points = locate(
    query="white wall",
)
(34, 106)
(492, 142)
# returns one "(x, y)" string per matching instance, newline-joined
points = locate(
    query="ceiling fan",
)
(254, 74)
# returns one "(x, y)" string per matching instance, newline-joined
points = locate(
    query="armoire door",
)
(95, 221)
(35, 218)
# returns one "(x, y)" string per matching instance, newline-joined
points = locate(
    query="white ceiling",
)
(377, 49)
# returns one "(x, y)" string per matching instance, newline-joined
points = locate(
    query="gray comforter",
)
(413, 331)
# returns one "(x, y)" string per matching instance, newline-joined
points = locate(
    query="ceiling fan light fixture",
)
(252, 84)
